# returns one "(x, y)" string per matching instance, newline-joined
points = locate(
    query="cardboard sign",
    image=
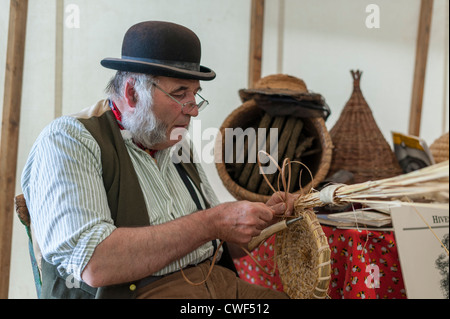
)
(424, 262)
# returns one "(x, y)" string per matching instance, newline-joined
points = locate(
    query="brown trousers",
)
(222, 284)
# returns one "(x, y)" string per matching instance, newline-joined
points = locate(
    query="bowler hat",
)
(161, 48)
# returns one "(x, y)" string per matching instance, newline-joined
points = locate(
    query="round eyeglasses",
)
(188, 106)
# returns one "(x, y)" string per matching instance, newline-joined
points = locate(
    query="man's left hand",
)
(281, 205)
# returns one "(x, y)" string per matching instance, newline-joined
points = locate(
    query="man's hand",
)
(252, 219)
(281, 206)
(238, 222)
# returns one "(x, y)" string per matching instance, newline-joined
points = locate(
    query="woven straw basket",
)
(439, 148)
(303, 258)
(249, 115)
(359, 145)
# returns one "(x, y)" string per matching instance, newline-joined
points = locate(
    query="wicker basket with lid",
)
(359, 145)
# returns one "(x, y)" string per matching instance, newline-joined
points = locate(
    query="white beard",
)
(143, 125)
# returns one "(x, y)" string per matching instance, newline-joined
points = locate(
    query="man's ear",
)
(130, 93)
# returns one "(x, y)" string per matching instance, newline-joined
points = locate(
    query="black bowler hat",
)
(161, 48)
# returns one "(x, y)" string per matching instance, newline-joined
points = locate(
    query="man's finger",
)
(279, 208)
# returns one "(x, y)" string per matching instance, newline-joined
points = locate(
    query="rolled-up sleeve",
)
(63, 186)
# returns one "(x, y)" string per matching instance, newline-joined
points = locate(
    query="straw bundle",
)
(359, 145)
(439, 148)
(425, 187)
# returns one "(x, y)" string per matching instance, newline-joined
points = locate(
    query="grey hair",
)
(141, 122)
(116, 85)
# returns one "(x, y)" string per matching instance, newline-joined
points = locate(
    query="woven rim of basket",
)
(240, 192)
(305, 272)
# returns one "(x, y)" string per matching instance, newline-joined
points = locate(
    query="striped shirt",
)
(62, 184)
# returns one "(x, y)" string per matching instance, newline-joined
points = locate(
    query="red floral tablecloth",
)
(364, 265)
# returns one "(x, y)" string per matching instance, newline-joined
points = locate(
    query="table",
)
(358, 259)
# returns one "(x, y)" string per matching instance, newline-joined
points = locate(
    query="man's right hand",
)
(238, 222)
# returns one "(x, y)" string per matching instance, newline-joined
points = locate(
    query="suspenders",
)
(184, 171)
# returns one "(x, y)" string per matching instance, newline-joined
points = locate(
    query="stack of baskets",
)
(304, 139)
(359, 145)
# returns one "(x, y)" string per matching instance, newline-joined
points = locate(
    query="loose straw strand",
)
(272, 273)
(286, 185)
(209, 271)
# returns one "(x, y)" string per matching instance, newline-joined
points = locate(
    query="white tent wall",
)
(323, 40)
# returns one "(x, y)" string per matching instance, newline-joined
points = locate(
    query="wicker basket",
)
(303, 258)
(249, 115)
(359, 145)
(439, 149)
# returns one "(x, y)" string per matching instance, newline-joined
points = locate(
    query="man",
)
(110, 208)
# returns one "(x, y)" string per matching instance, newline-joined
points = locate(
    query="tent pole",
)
(256, 39)
(10, 133)
(423, 39)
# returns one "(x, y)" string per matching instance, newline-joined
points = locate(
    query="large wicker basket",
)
(249, 115)
(359, 145)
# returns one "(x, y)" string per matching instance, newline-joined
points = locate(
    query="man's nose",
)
(191, 110)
